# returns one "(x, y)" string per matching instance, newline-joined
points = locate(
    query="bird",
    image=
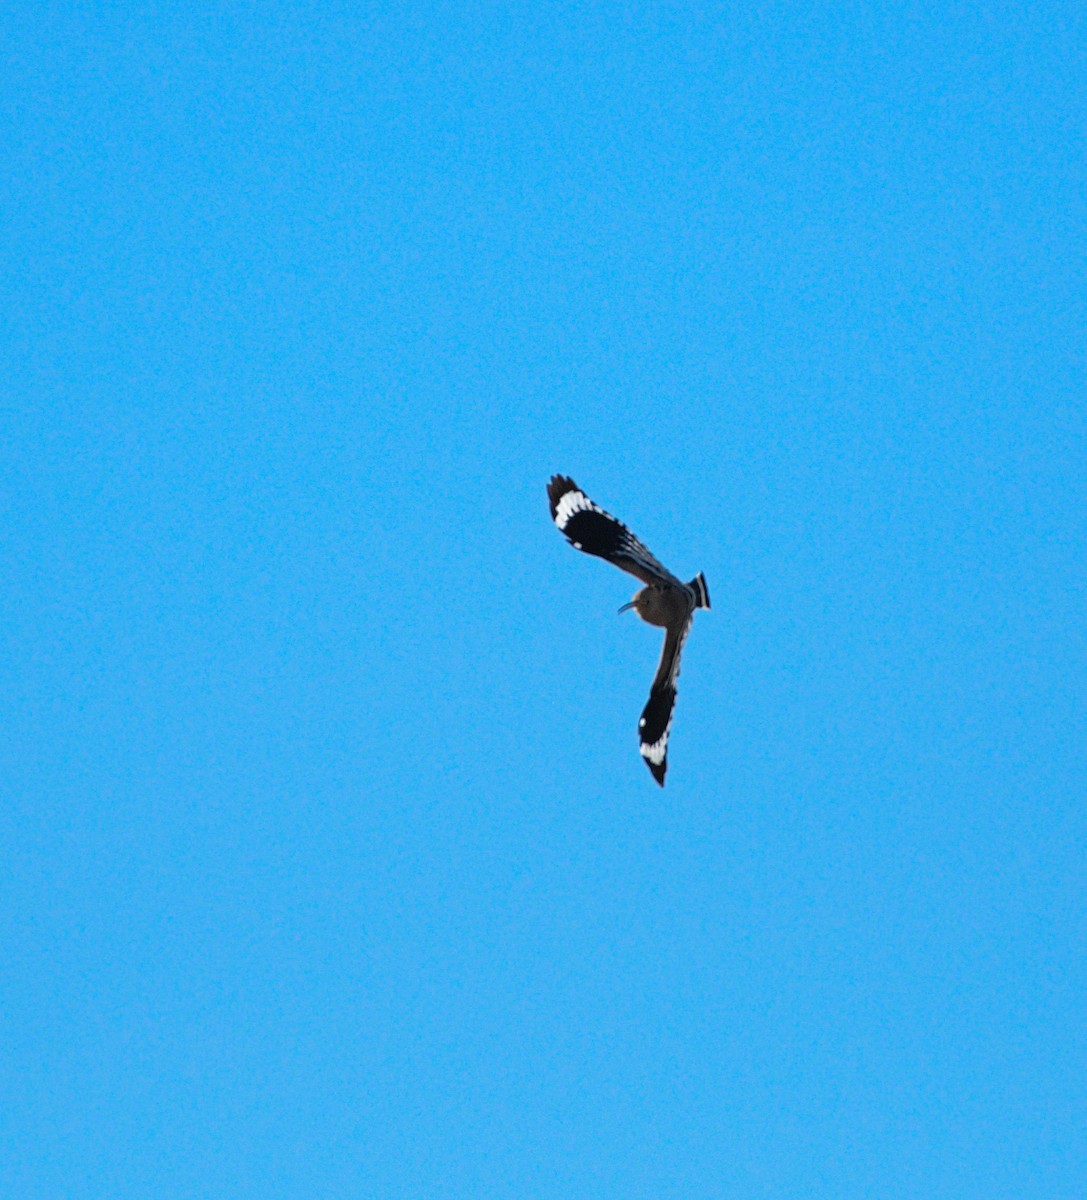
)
(664, 601)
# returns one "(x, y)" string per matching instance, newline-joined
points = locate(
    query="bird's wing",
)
(589, 528)
(655, 723)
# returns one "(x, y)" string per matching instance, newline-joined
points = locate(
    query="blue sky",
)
(329, 865)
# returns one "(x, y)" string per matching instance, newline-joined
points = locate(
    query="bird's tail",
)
(700, 590)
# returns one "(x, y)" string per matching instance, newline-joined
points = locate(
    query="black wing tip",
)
(557, 488)
(653, 730)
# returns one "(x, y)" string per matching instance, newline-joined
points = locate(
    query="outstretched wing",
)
(589, 528)
(655, 723)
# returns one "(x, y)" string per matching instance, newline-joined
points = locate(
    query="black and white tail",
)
(702, 593)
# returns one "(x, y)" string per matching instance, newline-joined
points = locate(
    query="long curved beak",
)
(626, 606)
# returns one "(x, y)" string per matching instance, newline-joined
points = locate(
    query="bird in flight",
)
(664, 601)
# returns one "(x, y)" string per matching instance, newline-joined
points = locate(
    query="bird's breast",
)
(662, 606)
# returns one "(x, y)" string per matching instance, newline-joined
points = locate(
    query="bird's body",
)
(662, 604)
(665, 601)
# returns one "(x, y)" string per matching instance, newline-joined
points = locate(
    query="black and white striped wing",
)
(589, 528)
(655, 723)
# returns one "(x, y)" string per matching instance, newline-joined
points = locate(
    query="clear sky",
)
(328, 864)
